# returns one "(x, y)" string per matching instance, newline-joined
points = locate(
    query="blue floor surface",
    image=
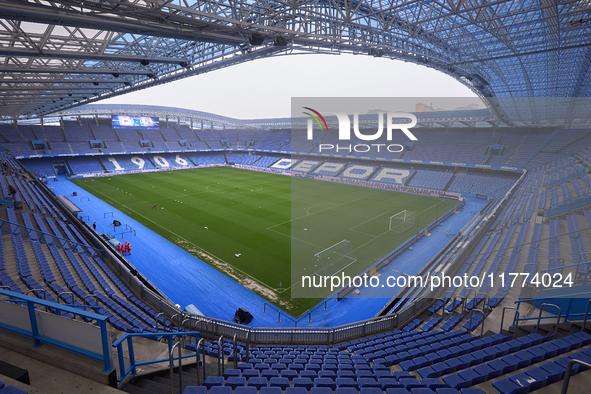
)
(187, 280)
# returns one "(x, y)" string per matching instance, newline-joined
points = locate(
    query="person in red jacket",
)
(128, 245)
(119, 248)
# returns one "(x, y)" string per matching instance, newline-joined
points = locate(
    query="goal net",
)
(334, 259)
(402, 221)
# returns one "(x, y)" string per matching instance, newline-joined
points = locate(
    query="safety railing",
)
(49, 239)
(477, 311)
(567, 314)
(515, 319)
(38, 326)
(568, 373)
(557, 318)
(133, 364)
(584, 327)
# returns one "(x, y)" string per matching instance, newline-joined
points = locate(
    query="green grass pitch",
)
(271, 221)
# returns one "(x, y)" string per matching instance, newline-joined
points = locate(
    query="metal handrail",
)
(183, 324)
(569, 368)
(515, 319)
(202, 345)
(5, 288)
(43, 291)
(557, 268)
(557, 320)
(220, 356)
(463, 303)
(586, 314)
(123, 371)
(93, 296)
(157, 322)
(172, 318)
(34, 291)
(442, 307)
(171, 361)
(485, 293)
(482, 325)
(65, 292)
(235, 352)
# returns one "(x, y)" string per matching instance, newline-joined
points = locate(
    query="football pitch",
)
(266, 230)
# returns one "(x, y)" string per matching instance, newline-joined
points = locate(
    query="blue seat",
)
(235, 381)
(447, 390)
(296, 390)
(371, 390)
(401, 374)
(231, 372)
(187, 390)
(456, 381)
(537, 354)
(367, 382)
(511, 362)
(433, 383)
(257, 382)
(296, 367)
(308, 374)
(466, 360)
(525, 358)
(397, 390)
(325, 382)
(486, 371)
(506, 386)
(555, 371)
(471, 376)
(220, 389)
(584, 337)
(211, 381)
(549, 349)
(327, 374)
(540, 376)
(289, 374)
(388, 383)
(312, 367)
(250, 373)
(346, 382)
(303, 382)
(421, 390)
(280, 382)
(243, 366)
(269, 373)
(346, 374)
(428, 372)
(320, 390)
(270, 390)
(410, 383)
(278, 366)
(563, 362)
(562, 345)
(245, 390)
(261, 366)
(345, 390)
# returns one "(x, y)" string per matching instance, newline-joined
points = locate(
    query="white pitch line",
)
(189, 242)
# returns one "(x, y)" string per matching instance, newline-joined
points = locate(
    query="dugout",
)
(69, 205)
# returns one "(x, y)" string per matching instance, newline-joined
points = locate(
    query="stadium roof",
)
(64, 53)
(453, 117)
